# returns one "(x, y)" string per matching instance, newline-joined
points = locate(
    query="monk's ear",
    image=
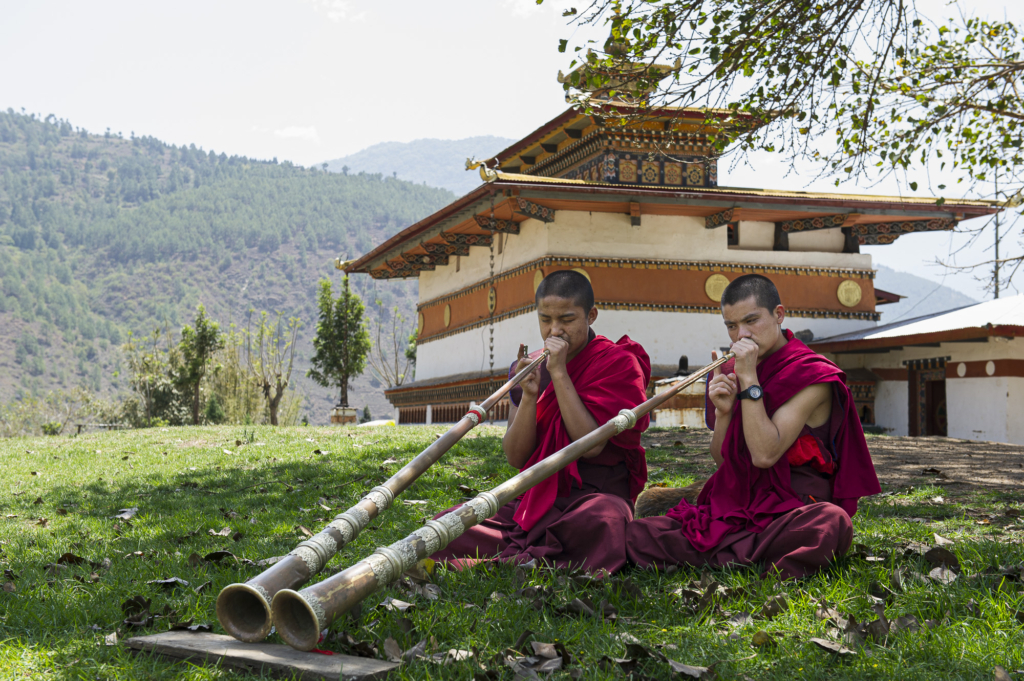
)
(780, 314)
(592, 316)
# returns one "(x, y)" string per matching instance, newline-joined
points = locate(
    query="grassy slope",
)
(188, 479)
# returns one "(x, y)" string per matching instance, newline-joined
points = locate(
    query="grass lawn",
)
(187, 484)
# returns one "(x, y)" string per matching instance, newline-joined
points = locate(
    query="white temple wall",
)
(659, 237)
(976, 408)
(830, 240)
(892, 407)
(1015, 410)
(468, 351)
(755, 236)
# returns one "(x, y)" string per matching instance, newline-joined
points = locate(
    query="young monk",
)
(578, 516)
(791, 455)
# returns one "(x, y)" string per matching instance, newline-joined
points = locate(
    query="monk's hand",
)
(559, 349)
(722, 391)
(746, 352)
(531, 382)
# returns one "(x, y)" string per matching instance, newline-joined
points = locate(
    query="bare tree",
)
(393, 353)
(269, 355)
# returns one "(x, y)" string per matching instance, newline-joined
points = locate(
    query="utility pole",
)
(995, 265)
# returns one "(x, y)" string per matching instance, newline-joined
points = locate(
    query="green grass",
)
(184, 483)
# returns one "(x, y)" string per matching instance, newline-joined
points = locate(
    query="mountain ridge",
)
(436, 162)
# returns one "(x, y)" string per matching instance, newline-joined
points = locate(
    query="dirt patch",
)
(957, 465)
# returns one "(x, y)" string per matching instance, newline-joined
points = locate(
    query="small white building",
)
(958, 373)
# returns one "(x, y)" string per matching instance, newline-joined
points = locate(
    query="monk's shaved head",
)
(761, 289)
(569, 285)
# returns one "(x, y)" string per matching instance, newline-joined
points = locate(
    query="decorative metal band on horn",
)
(625, 420)
(476, 414)
(244, 610)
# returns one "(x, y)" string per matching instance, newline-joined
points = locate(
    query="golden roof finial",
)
(486, 174)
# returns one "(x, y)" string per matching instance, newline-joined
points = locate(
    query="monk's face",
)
(564, 318)
(747, 320)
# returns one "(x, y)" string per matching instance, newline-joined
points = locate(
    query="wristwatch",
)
(754, 392)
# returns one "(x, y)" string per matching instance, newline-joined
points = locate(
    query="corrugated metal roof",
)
(999, 312)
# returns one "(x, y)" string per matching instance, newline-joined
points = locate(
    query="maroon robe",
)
(578, 516)
(745, 514)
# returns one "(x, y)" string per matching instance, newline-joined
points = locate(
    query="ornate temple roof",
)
(506, 199)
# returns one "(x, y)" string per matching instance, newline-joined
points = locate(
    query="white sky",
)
(312, 80)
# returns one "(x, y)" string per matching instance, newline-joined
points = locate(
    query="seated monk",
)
(792, 460)
(578, 516)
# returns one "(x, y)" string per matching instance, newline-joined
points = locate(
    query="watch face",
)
(755, 392)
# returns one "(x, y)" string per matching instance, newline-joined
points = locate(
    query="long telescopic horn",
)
(244, 609)
(301, 616)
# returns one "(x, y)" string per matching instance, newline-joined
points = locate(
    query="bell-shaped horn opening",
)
(296, 622)
(244, 613)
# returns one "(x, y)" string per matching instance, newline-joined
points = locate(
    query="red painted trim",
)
(444, 384)
(947, 336)
(898, 374)
(976, 369)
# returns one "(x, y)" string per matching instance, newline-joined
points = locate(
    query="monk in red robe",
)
(792, 460)
(578, 516)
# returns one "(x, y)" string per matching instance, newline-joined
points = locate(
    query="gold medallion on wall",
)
(447, 316)
(538, 277)
(583, 272)
(849, 293)
(492, 300)
(715, 285)
(419, 323)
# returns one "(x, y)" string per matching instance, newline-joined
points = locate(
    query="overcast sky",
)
(312, 80)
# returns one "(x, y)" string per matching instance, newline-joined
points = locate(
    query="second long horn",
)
(244, 609)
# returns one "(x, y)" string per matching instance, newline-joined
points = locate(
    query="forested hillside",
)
(101, 236)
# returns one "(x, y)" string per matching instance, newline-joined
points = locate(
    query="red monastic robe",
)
(740, 501)
(578, 516)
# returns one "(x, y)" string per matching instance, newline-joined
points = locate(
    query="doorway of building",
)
(928, 402)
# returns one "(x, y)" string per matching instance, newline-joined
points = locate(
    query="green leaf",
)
(913, 186)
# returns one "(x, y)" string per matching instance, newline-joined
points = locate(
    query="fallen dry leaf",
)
(396, 605)
(690, 671)
(942, 541)
(169, 583)
(774, 607)
(762, 638)
(226, 532)
(110, 639)
(942, 575)
(9, 587)
(125, 513)
(392, 650)
(832, 647)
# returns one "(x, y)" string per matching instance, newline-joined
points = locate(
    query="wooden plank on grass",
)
(276, 658)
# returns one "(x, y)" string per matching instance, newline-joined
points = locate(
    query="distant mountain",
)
(923, 296)
(102, 236)
(439, 163)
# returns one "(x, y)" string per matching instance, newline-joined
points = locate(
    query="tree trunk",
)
(195, 406)
(272, 405)
(344, 392)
